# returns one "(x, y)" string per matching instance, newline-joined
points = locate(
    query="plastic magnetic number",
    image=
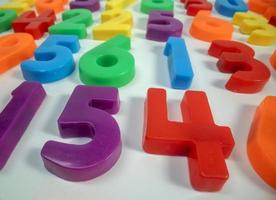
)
(156, 5)
(114, 22)
(92, 5)
(53, 59)
(194, 6)
(56, 5)
(248, 74)
(74, 23)
(87, 114)
(35, 25)
(204, 143)
(270, 12)
(118, 4)
(259, 6)
(180, 67)
(207, 28)
(109, 64)
(14, 49)
(257, 27)
(18, 7)
(264, 7)
(162, 25)
(29, 2)
(261, 144)
(272, 20)
(273, 60)
(17, 115)
(267, 8)
(229, 7)
(6, 19)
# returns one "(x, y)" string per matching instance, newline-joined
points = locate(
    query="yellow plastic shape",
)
(257, 27)
(18, 7)
(118, 4)
(114, 22)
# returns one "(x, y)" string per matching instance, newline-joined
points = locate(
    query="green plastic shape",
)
(6, 19)
(109, 64)
(156, 5)
(74, 23)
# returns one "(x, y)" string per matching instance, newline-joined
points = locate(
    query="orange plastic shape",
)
(270, 12)
(207, 28)
(273, 60)
(259, 6)
(14, 49)
(263, 7)
(261, 145)
(55, 5)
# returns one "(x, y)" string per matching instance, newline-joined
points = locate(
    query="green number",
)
(74, 23)
(161, 5)
(109, 64)
(6, 19)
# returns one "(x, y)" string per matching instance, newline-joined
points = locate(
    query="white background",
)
(138, 175)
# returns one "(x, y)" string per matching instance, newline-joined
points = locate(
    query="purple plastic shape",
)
(87, 114)
(17, 115)
(92, 5)
(162, 25)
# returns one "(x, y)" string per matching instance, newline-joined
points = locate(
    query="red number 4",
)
(204, 143)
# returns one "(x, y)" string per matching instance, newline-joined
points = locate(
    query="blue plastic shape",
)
(53, 59)
(229, 7)
(180, 67)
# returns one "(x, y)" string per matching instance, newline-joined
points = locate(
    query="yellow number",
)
(118, 4)
(257, 27)
(114, 22)
(19, 6)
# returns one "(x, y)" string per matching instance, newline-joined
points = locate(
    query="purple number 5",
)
(87, 114)
(162, 25)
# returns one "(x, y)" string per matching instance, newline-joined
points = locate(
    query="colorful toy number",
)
(6, 19)
(109, 64)
(74, 23)
(156, 5)
(92, 5)
(272, 20)
(14, 49)
(249, 75)
(35, 25)
(207, 28)
(267, 8)
(273, 60)
(257, 27)
(261, 147)
(54, 59)
(18, 7)
(180, 67)
(204, 143)
(56, 5)
(162, 25)
(229, 7)
(118, 4)
(17, 115)
(194, 6)
(87, 114)
(114, 22)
